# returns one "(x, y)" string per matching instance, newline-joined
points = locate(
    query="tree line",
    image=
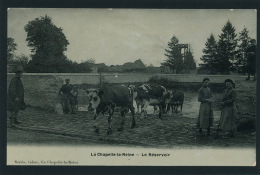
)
(231, 53)
(48, 45)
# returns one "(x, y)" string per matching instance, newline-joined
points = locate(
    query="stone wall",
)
(41, 89)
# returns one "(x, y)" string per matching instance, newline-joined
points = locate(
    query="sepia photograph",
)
(131, 87)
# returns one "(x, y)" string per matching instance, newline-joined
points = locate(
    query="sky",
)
(117, 36)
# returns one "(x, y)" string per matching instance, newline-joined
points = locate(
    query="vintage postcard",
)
(131, 87)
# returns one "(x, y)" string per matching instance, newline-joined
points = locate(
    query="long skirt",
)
(205, 118)
(228, 118)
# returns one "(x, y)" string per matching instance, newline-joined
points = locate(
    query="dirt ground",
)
(173, 130)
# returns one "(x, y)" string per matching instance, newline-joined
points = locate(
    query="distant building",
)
(94, 69)
(165, 70)
(136, 66)
(150, 69)
(116, 68)
(99, 67)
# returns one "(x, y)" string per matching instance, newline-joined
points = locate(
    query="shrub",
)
(161, 81)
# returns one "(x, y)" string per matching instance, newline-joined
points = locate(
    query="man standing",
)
(15, 97)
(205, 118)
(73, 99)
(65, 96)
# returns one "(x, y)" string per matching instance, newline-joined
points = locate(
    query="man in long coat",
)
(15, 96)
(73, 99)
(65, 96)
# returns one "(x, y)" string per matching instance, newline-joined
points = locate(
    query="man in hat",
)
(73, 99)
(65, 96)
(15, 96)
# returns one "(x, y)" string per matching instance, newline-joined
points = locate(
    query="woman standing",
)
(205, 118)
(229, 111)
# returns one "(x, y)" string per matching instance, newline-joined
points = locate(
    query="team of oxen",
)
(106, 99)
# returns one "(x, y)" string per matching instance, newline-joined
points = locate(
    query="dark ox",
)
(109, 97)
(176, 100)
(154, 95)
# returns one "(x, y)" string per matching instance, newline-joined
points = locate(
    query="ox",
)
(176, 100)
(138, 101)
(152, 95)
(106, 99)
